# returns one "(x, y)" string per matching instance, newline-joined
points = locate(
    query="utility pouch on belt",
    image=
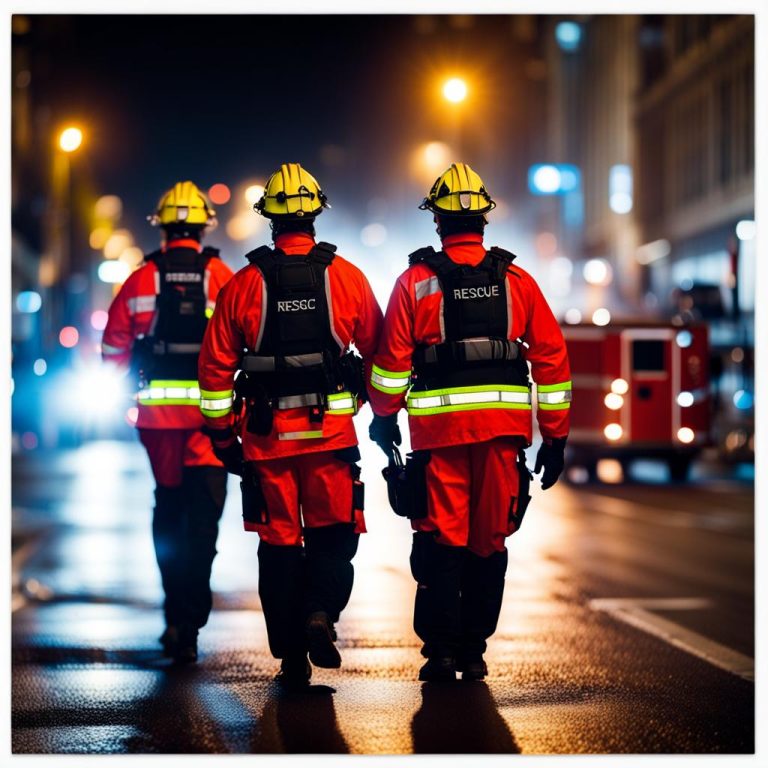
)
(407, 483)
(519, 504)
(254, 504)
(259, 409)
(350, 456)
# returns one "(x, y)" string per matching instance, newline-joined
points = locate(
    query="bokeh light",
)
(99, 319)
(68, 336)
(40, 367)
(219, 194)
(455, 90)
(601, 316)
(118, 241)
(108, 207)
(70, 139)
(373, 235)
(253, 193)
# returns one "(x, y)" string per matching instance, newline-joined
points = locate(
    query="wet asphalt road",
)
(627, 628)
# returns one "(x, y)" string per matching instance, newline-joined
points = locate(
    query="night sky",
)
(227, 98)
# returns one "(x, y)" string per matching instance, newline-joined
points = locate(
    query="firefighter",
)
(460, 325)
(286, 322)
(156, 323)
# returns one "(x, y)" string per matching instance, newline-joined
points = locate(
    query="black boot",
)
(295, 672)
(482, 590)
(436, 617)
(438, 669)
(170, 639)
(330, 574)
(185, 651)
(281, 589)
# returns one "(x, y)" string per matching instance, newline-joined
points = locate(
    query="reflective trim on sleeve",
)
(170, 392)
(427, 287)
(214, 404)
(138, 304)
(437, 401)
(108, 349)
(391, 382)
(553, 397)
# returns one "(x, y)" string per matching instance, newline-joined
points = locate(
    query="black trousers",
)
(297, 581)
(458, 597)
(185, 527)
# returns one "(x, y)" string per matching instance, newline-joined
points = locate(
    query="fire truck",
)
(640, 390)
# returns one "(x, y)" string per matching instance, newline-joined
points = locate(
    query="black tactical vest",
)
(180, 319)
(298, 353)
(476, 350)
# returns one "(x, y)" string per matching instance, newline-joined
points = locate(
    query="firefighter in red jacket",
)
(459, 327)
(156, 323)
(295, 310)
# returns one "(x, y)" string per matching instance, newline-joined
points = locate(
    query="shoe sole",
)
(322, 652)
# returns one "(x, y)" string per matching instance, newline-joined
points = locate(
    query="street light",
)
(455, 90)
(70, 139)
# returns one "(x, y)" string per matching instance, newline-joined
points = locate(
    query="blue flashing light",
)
(553, 178)
(29, 302)
(684, 339)
(568, 36)
(743, 400)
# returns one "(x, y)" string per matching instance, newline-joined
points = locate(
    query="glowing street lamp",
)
(70, 139)
(455, 90)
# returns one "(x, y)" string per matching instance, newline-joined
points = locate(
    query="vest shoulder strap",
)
(323, 253)
(259, 255)
(154, 256)
(420, 255)
(210, 252)
(502, 260)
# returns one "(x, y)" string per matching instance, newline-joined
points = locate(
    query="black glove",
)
(227, 449)
(385, 433)
(551, 456)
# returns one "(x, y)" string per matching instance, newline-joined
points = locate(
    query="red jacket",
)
(446, 417)
(236, 325)
(131, 315)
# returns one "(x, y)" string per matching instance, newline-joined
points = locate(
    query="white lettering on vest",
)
(183, 277)
(481, 292)
(296, 305)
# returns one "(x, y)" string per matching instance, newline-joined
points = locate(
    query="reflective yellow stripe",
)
(554, 406)
(554, 397)
(169, 392)
(300, 435)
(391, 382)
(468, 399)
(342, 403)
(215, 403)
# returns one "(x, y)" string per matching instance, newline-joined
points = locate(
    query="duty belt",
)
(470, 350)
(262, 364)
(337, 403)
(173, 348)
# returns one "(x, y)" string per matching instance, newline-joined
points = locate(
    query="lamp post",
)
(56, 260)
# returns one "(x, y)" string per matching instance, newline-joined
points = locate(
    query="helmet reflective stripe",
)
(468, 398)
(184, 203)
(458, 191)
(291, 192)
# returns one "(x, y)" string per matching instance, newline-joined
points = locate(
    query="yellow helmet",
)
(291, 193)
(183, 203)
(458, 191)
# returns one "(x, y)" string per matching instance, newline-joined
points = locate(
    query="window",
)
(648, 355)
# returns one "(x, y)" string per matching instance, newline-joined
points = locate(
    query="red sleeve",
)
(368, 326)
(551, 372)
(220, 358)
(117, 339)
(391, 370)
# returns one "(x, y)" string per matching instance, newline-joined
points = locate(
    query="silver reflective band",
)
(141, 304)
(300, 401)
(468, 398)
(108, 349)
(182, 349)
(563, 396)
(223, 404)
(261, 363)
(427, 287)
(385, 381)
(169, 393)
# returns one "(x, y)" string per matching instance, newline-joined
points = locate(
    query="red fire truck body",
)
(639, 391)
